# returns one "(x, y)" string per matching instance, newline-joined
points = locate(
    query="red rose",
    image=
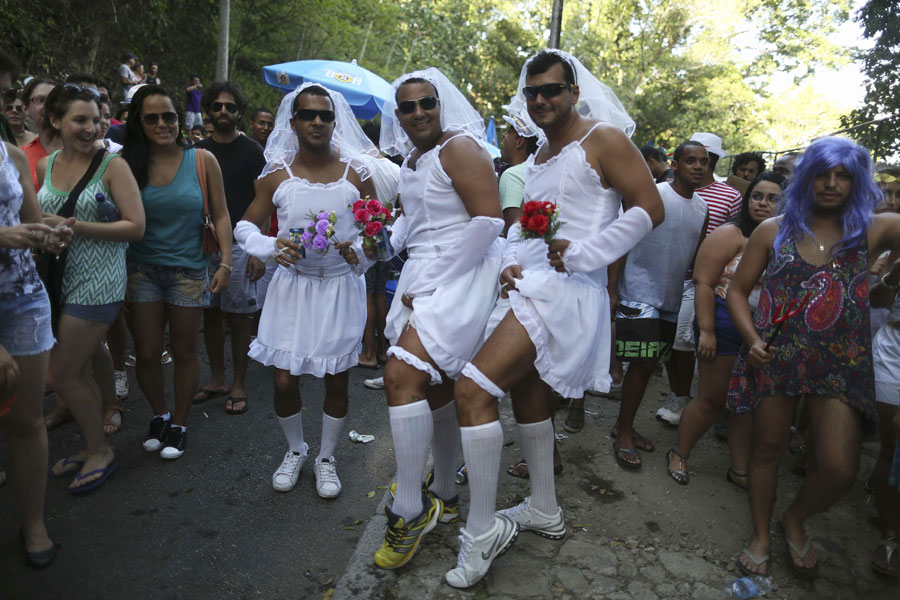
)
(531, 207)
(539, 224)
(373, 206)
(358, 205)
(549, 208)
(361, 215)
(386, 211)
(373, 228)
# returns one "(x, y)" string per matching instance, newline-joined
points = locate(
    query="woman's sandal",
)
(808, 572)
(732, 477)
(112, 419)
(757, 562)
(889, 543)
(681, 476)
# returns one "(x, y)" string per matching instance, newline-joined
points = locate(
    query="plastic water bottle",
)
(748, 587)
(106, 209)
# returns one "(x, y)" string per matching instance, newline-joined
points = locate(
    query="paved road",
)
(207, 525)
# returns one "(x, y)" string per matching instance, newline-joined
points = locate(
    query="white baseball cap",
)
(710, 141)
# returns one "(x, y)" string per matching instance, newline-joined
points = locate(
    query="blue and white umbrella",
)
(365, 91)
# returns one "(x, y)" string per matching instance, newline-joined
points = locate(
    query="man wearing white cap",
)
(724, 203)
(518, 143)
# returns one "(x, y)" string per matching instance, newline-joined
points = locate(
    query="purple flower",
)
(320, 243)
(322, 227)
(306, 238)
(322, 216)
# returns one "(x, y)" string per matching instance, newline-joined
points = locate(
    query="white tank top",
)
(584, 206)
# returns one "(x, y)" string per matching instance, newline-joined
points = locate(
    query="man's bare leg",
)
(633, 387)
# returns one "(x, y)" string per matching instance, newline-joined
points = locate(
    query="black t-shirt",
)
(241, 162)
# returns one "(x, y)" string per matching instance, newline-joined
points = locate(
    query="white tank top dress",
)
(315, 311)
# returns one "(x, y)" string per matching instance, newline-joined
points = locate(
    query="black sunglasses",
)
(151, 119)
(229, 106)
(407, 107)
(548, 90)
(80, 89)
(308, 114)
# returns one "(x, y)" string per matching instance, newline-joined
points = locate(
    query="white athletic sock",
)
(482, 446)
(412, 428)
(537, 445)
(445, 451)
(292, 427)
(331, 433)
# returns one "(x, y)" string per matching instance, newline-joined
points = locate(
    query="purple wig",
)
(822, 155)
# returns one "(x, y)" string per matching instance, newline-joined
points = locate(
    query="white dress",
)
(886, 357)
(315, 312)
(451, 321)
(566, 316)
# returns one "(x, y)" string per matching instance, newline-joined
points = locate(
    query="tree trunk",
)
(555, 23)
(222, 51)
(362, 52)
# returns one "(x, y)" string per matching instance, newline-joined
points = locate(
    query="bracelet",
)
(228, 267)
(888, 285)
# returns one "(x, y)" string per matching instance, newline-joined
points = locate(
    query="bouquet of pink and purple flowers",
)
(319, 232)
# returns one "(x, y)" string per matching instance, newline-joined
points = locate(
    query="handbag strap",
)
(200, 163)
(68, 209)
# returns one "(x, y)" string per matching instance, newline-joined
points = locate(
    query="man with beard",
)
(262, 122)
(242, 161)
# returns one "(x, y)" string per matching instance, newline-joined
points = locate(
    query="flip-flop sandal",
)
(641, 442)
(104, 473)
(732, 477)
(237, 411)
(757, 562)
(618, 452)
(66, 465)
(801, 553)
(520, 470)
(207, 394)
(890, 552)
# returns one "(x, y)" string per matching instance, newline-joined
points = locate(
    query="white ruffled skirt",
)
(451, 321)
(310, 325)
(568, 321)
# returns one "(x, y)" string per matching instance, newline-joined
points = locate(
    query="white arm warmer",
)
(364, 261)
(398, 234)
(609, 245)
(470, 247)
(510, 252)
(253, 242)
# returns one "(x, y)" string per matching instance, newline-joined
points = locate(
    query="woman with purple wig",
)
(820, 248)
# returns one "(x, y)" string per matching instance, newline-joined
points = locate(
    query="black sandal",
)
(681, 477)
(732, 477)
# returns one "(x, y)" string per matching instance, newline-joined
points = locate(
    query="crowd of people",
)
(583, 267)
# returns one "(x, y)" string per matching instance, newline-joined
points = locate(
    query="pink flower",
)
(373, 228)
(358, 205)
(373, 206)
(361, 215)
(386, 211)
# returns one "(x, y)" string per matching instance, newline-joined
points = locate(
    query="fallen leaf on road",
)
(371, 494)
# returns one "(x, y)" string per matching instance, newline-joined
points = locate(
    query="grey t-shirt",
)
(654, 269)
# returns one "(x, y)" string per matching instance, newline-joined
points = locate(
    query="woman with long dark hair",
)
(718, 341)
(167, 269)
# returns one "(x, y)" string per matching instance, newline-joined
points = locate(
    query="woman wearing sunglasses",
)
(14, 109)
(718, 341)
(93, 286)
(167, 269)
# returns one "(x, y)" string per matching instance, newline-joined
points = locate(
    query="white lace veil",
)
(456, 113)
(596, 100)
(348, 138)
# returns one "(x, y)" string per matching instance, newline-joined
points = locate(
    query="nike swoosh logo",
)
(487, 555)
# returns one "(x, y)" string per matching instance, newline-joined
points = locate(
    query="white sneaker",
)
(531, 519)
(121, 384)
(477, 554)
(285, 478)
(671, 410)
(374, 384)
(327, 483)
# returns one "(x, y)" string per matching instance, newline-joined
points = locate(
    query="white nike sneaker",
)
(477, 553)
(671, 410)
(531, 519)
(327, 483)
(285, 478)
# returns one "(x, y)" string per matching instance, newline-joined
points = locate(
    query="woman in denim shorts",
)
(25, 342)
(167, 268)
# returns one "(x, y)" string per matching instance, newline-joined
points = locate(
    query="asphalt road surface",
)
(208, 525)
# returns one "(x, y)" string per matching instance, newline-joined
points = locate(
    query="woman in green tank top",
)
(94, 281)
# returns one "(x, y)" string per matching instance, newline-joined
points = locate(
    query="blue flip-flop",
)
(105, 473)
(75, 463)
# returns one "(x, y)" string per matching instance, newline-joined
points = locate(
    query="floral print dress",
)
(826, 349)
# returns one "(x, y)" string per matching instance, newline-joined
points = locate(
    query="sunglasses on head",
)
(151, 119)
(229, 106)
(407, 107)
(308, 114)
(80, 89)
(548, 90)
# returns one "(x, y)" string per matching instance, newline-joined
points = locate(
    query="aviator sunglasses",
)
(308, 114)
(151, 119)
(407, 107)
(548, 90)
(229, 106)
(80, 89)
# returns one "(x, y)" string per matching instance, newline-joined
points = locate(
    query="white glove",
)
(614, 242)
(399, 233)
(364, 261)
(471, 245)
(513, 240)
(253, 242)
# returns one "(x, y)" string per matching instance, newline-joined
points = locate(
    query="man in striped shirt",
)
(724, 203)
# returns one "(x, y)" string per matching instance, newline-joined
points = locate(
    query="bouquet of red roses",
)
(371, 217)
(539, 220)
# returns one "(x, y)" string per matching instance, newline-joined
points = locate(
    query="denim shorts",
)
(177, 286)
(728, 338)
(25, 327)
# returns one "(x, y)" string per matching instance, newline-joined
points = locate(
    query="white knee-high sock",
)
(482, 446)
(445, 451)
(412, 428)
(331, 433)
(537, 445)
(292, 427)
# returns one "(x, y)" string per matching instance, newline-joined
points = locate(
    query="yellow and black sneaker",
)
(401, 540)
(450, 512)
